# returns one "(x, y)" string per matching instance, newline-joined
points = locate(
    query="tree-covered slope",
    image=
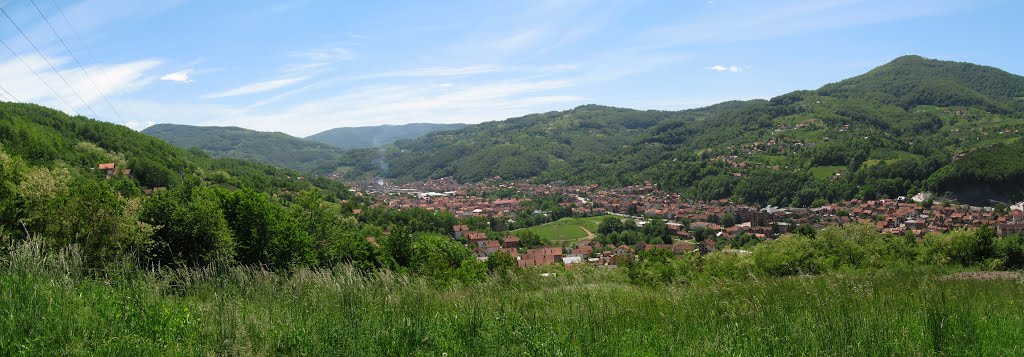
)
(880, 134)
(374, 136)
(47, 137)
(277, 149)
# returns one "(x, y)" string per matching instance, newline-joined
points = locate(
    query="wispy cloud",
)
(748, 22)
(394, 104)
(258, 87)
(111, 79)
(721, 68)
(437, 72)
(318, 59)
(179, 76)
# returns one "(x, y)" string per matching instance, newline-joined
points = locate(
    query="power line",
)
(85, 47)
(40, 78)
(9, 94)
(48, 62)
(76, 59)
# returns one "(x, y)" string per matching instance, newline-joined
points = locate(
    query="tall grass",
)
(48, 307)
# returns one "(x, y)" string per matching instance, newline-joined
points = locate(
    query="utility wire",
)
(66, 47)
(85, 47)
(48, 63)
(9, 94)
(40, 78)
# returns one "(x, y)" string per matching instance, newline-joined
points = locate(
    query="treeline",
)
(194, 224)
(854, 247)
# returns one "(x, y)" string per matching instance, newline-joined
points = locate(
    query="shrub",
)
(727, 264)
(652, 267)
(788, 255)
(956, 247)
(501, 262)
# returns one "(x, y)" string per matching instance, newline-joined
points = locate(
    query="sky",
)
(301, 67)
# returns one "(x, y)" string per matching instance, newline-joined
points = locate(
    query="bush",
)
(499, 262)
(727, 264)
(652, 267)
(788, 255)
(956, 247)
(1010, 250)
(437, 256)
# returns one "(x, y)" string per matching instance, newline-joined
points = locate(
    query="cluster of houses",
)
(583, 252)
(722, 219)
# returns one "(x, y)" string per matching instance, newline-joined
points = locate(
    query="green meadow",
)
(48, 307)
(566, 229)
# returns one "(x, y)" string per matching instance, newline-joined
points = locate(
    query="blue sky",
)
(301, 67)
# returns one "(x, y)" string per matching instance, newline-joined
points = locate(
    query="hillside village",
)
(900, 216)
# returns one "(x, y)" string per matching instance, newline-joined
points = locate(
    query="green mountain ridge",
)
(881, 134)
(283, 150)
(276, 149)
(379, 135)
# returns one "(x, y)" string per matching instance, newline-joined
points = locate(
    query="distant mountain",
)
(881, 134)
(277, 149)
(373, 136)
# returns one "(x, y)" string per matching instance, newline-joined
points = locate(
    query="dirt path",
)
(589, 235)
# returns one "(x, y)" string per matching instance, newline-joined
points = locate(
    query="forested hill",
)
(277, 149)
(49, 138)
(883, 133)
(113, 193)
(373, 136)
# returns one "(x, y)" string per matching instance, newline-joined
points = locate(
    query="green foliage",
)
(192, 229)
(578, 312)
(652, 267)
(398, 247)
(265, 233)
(728, 264)
(790, 255)
(276, 149)
(437, 256)
(413, 220)
(501, 262)
(1011, 251)
(999, 168)
(471, 271)
(610, 225)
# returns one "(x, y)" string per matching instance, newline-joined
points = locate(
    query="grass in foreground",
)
(45, 310)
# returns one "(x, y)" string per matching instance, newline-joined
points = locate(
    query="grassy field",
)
(824, 172)
(566, 229)
(45, 310)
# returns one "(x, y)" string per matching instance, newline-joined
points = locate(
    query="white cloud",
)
(257, 87)
(137, 126)
(111, 79)
(721, 68)
(396, 104)
(179, 76)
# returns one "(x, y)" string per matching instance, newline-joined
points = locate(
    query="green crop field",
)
(567, 229)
